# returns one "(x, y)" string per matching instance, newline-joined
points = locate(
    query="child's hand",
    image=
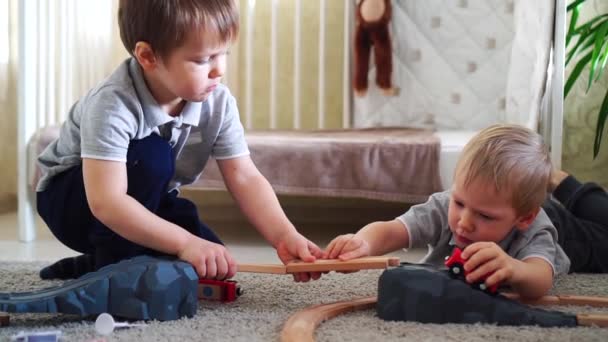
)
(488, 258)
(209, 259)
(346, 247)
(295, 246)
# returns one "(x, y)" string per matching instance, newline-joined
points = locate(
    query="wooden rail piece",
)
(262, 268)
(300, 327)
(338, 265)
(590, 320)
(582, 319)
(562, 300)
(322, 265)
(4, 319)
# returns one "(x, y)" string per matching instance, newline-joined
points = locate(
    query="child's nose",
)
(216, 72)
(466, 221)
(217, 69)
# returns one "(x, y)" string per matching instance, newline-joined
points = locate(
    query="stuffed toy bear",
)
(373, 19)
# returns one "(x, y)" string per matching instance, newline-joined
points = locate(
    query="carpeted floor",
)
(270, 299)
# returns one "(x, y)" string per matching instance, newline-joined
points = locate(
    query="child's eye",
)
(202, 61)
(210, 58)
(458, 204)
(486, 217)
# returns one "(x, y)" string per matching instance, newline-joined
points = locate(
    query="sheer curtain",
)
(65, 48)
(73, 47)
(4, 48)
(8, 155)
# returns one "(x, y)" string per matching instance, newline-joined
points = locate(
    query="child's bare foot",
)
(556, 178)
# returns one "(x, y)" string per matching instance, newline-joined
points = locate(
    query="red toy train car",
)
(220, 290)
(455, 265)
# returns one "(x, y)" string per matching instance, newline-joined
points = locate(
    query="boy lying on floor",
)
(499, 213)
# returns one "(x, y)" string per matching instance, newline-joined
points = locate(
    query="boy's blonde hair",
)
(512, 158)
(165, 24)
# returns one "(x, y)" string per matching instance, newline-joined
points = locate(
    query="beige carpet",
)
(269, 300)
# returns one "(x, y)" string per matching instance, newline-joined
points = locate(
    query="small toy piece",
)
(105, 324)
(5, 319)
(455, 264)
(42, 336)
(220, 290)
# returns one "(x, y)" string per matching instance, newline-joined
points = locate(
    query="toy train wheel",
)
(456, 270)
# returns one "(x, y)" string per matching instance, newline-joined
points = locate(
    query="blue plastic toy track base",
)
(141, 288)
(421, 293)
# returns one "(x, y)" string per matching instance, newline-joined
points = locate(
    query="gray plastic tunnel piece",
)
(424, 294)
(141, 288)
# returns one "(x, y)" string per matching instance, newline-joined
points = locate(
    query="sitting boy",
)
(493, 212)
(111, 179)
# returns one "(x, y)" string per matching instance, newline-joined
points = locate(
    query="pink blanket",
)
(391, 164)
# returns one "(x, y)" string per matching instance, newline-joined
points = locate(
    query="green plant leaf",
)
(589, 25)
(578, 68)
(585, 35)
(600, 37)
(603, 59)
(572, 26)
(599, 128)
(592, 45)
(574, 4)
(584, 42)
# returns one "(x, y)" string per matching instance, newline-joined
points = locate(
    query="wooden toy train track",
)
(300, 327)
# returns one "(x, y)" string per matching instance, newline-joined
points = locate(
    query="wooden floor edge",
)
(300, 327)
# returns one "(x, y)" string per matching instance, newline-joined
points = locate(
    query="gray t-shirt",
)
(427, 225)
(121, 108)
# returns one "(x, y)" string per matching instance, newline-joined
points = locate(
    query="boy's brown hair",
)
(164, 24)
(511, 157)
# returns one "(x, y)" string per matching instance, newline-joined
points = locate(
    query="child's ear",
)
(524, 221)
(145, 55)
